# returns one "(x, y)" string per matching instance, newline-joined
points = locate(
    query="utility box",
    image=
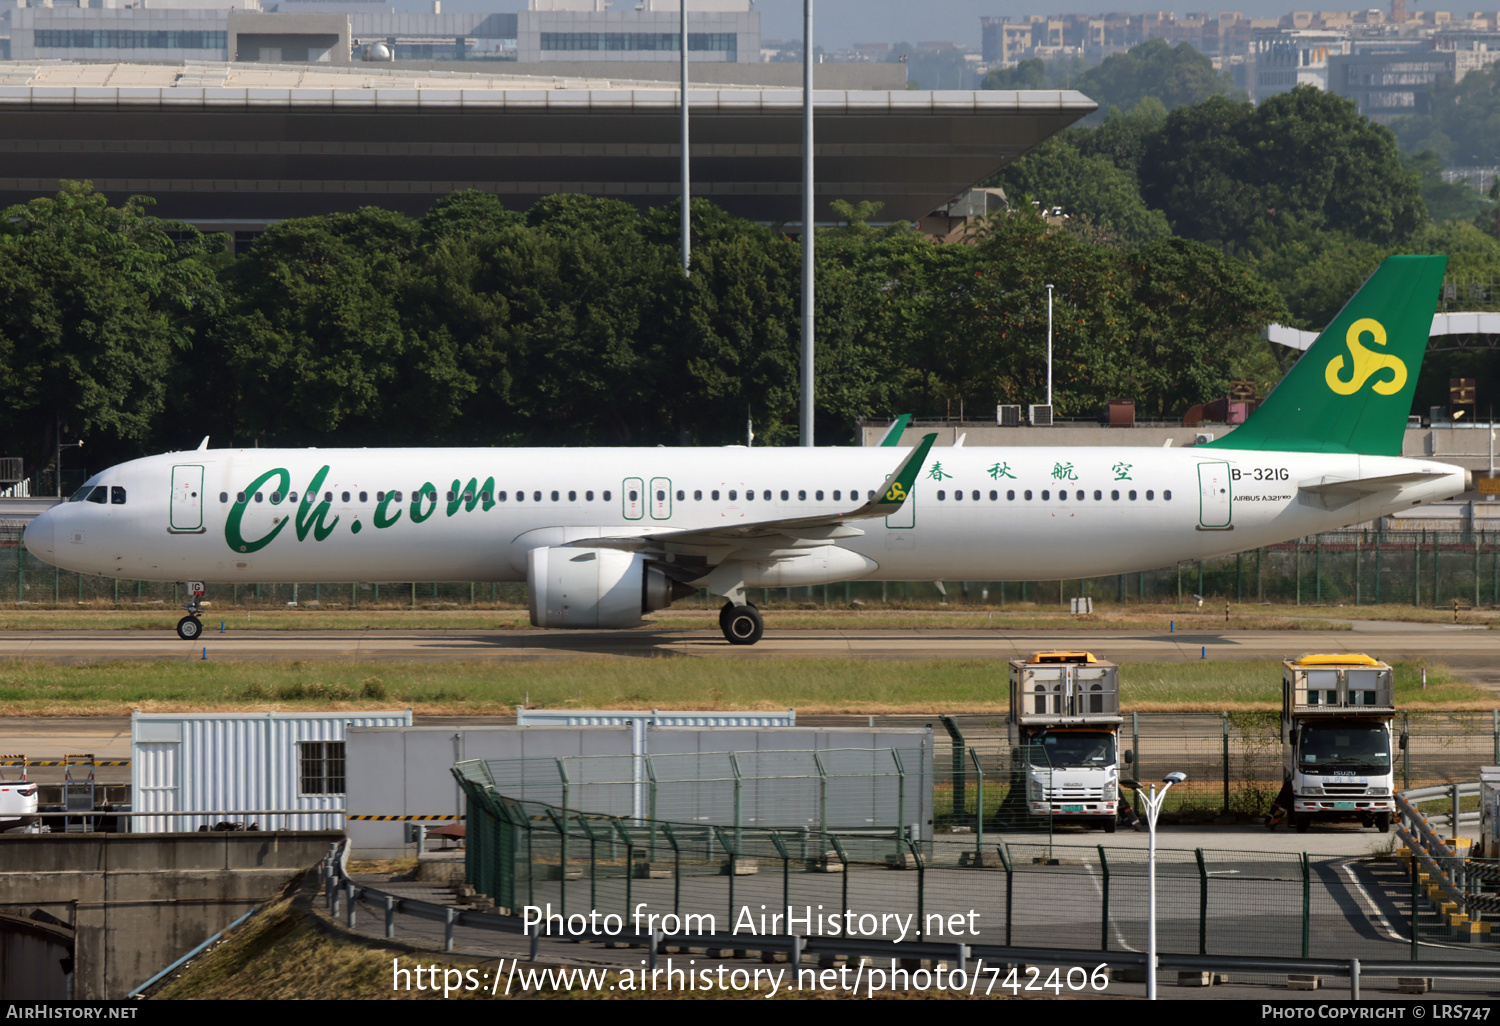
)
(1063, 689)
(1336, 685)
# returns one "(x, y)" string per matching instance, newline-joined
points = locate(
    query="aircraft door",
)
(661, 498)
(1214, 497)
(186, 511)
(633, 498)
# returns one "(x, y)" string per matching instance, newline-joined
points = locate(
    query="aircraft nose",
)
(39, 537)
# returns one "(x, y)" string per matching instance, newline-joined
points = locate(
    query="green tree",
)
(1463, 128)
(1028, 74)
(98, 303)
(1218, 168)
(1173, 75)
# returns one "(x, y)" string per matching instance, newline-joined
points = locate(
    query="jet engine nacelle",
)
(569, 587)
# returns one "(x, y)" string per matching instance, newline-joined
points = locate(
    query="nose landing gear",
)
(190, 628)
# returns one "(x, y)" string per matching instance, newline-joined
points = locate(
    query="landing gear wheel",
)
(1383, 822)
(189, 628)
(1302, 823)
(743, 625)
(724, 617)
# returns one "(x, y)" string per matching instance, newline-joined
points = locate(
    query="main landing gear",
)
(741, 625)
(190, 627)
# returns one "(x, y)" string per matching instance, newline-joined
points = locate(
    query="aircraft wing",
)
(791, 532)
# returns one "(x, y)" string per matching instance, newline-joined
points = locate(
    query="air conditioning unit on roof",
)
(1041, 415)
(1008, 416)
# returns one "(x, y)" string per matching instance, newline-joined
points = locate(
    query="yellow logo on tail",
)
(1365, 362)
(896, 494)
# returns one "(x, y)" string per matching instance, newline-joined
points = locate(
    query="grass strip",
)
(40, 688)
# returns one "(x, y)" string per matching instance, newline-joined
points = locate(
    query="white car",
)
(18, 804)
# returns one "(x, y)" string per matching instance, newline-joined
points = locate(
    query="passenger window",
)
(363, 497)
(223, 496)
(521, 496)
(1150, 495)
(680, 493)
(994, 496)
(958, 495)
(697, 492)
(606, 495)
(397, 499)
(573, 496)
(499, 496)
(975, 496)
(836, 495)
(484, 497)
(1132, 495)
(766, 495)
(1115, 495)
(554, 494)
(536, 496)
(100, 494)
(660, 495)
(239, 497)
(785, 495)
(293, 497)
(1045, 495)
(818, 495)
(634, 496)
(714, 494)
(327, 496)
(587, 496)
(1010, 495)
(942, 495)
(380, 496)
(801, 495)
(451, 496)
(1167, 496)
(1098, 496)
(1028, 495)
(259, 496)
(275, 497)
(749, 494)
(733, 494)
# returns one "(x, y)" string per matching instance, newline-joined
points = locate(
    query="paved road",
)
(1462, 647)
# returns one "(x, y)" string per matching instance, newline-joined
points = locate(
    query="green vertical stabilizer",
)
(1351, 392)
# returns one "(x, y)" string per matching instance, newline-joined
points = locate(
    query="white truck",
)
(1064, 725)
(18, 799)
(1337, 758)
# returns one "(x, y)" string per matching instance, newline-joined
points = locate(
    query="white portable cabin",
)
(249, 768)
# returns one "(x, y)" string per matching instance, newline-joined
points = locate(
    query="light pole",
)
(1153, 802)
(808, 213)
(686, 160)
(1049, 347)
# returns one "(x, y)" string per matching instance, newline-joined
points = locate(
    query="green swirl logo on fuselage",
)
(315, 506)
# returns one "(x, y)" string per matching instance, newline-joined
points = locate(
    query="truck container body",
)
(1336, 717)
(1065, 725)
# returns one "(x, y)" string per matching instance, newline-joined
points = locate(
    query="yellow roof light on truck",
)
(1337, 659)
(1063, 657)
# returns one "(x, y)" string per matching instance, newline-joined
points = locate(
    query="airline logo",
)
(1365, 363)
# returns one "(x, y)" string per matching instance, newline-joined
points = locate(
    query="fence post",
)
(1306, 907)
(1377, 568)
(734, 767)
(1495, 734)
(1010, 879)
(1476, 569)
(390, 917)
(1318, 569)
(786, 875)
(1416, 572)
(1135, 744)
(629, 862)
(1224, 723)
(838, 849)
(979, 803)
(1436, 539)
(1412, 862)
(916, 854)
(1359, 544)
(562, 858)
(450, 914)
(1202, 902)
(959, 781)
(1406, 751)
(666, 829)
(900, 794)
(1453, 820)
(1104, 904)
(822, 793)
(732, 850)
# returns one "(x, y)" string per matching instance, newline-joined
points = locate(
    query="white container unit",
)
(250, 768)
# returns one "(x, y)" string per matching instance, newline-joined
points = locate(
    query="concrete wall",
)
(140, 901)
(407, 770)
(36, 960)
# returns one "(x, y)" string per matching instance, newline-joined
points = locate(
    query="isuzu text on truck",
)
(1065, 724)
(1336, 716)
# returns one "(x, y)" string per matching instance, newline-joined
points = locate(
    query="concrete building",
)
(231, 147)
(588, 30)
(1277, 61)
(1387, 85)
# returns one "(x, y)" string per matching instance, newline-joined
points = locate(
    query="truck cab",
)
(1064, 723)
(1337, 754)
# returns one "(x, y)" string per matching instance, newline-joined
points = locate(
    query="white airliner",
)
(603, 536)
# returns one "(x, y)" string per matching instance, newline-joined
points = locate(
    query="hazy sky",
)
(839, 23)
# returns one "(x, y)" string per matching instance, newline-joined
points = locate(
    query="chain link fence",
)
(694, 878)
(1418, 568)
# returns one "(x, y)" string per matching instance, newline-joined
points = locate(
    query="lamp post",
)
(808, 233)
(1049, 347)
(686, 215)
(1153, 803)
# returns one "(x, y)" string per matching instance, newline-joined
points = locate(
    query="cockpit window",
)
(116, 495)
(100, 494)
(82, 493)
